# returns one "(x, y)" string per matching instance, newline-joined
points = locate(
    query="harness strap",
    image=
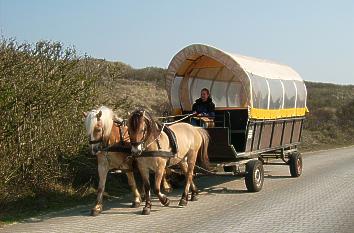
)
(156, 153)
(118, 148)
(158, 144)
(171, 138)
(95, 141)
(121, 135)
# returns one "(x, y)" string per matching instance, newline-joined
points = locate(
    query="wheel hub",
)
(258, 176)
(298, 166)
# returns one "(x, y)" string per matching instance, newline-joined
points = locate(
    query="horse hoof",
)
(167, 202)
(194, 198)
(95, 212)
(168, 190)
(146, 211)
(135, 204)
(182, 203)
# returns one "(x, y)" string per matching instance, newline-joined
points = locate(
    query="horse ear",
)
(84, 114)
(98, 115)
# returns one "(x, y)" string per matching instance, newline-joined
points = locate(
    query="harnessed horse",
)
(109, 141)
(152, 149)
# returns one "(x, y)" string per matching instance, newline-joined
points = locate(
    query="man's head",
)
(204, 94)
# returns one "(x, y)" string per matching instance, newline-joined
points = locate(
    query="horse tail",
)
(203, 150)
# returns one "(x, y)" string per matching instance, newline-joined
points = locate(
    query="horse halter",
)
(145, 137)
(98, 141)
(142, 141)
(91, 142)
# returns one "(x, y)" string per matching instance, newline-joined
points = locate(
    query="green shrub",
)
(43, 90)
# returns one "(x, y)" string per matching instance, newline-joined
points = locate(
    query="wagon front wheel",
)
(295, 164)
(254, 176)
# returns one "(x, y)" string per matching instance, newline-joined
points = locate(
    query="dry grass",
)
(126, 95)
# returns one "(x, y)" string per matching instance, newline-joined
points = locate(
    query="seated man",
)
(203, 106)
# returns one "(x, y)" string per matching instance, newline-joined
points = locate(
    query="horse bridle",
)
(92, 142)
(142, 141)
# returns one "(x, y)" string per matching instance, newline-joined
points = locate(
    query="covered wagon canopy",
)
(268, 89)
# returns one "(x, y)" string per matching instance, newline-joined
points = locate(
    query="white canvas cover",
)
(267, 89)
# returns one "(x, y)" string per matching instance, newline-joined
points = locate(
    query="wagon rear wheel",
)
(254, 176)
(295, 164)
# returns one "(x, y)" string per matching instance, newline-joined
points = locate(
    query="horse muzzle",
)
(137, 149)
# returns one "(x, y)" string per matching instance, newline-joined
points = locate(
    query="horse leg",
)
(102, 173)
(166, 186)
(159, 174)
(189, 179)
(143, 196)
(194, 196)
(184, 167)
(132, 184)
(144, 172)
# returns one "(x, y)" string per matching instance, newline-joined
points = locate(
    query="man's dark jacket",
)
(206, 108)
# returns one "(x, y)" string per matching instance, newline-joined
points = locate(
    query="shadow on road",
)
(207, 185)
(277, 177)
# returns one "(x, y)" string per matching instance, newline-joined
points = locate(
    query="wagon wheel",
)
(254, 176)
(295, 164)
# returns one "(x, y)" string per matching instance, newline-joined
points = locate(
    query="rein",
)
(179, 120)
(156, 139)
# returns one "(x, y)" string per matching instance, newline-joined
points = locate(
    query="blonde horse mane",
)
(106, 118)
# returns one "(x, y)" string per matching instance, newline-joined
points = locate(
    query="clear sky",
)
(316, 38)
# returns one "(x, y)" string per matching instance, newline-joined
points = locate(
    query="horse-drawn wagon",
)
(260, 108)
(259, 115)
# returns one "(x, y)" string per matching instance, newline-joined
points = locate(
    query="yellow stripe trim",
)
(256, 113)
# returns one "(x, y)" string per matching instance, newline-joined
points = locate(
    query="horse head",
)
(142, 128)
(98, 127)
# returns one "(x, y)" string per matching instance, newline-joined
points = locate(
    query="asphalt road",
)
(321, 200)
